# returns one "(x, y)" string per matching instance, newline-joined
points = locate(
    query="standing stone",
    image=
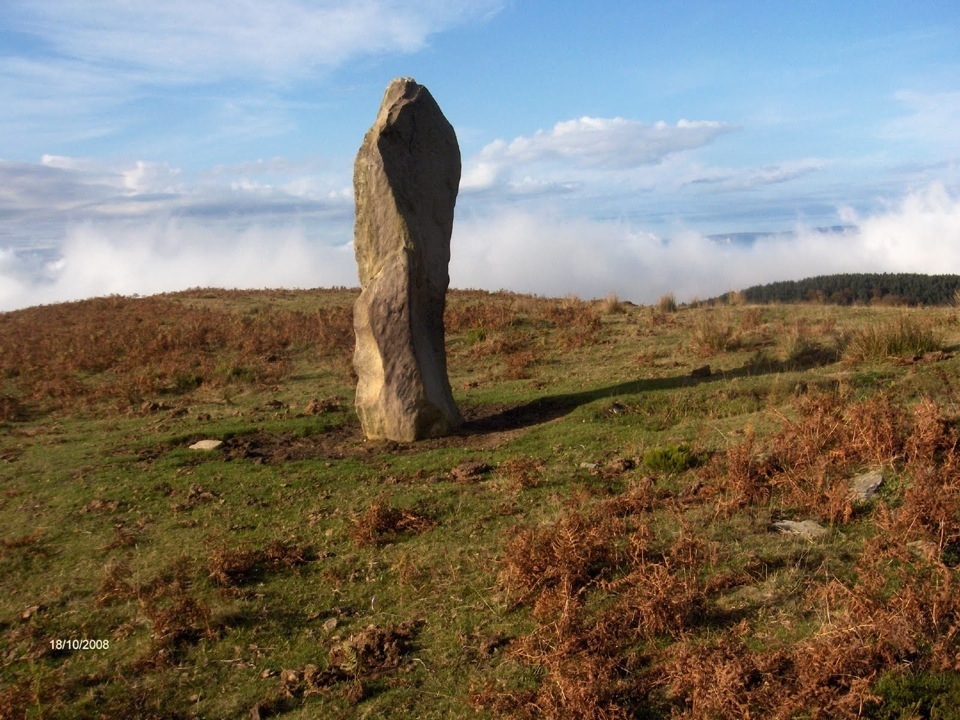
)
(405, 179)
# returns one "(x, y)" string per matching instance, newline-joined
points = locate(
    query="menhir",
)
(405, 179)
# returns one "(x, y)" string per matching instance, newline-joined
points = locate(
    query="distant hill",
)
(859, 289)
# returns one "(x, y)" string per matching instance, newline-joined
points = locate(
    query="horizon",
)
(151, 149)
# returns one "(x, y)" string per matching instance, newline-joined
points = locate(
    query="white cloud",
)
(102, 259)
(735, 179)
(86, 66)
(77, 227)
(104, 236)
(605, 144)
(480, 175)
(42, 200)
(554, 255)
(29, 188)
(62, 162)
(15, 283)
(611, 143)
(921, 234)
(618, 168)
(206, 40)
(146, 177)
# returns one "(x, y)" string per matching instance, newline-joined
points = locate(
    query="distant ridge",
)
(858, 289)
(750, 238)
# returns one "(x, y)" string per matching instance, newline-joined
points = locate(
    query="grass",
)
(597, 543)
(904, 335)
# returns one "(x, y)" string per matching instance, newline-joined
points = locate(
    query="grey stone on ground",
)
(206, 445)
(406, 178)
(863, 487)
(809, 529)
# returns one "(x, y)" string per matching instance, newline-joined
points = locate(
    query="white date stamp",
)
(70, 644)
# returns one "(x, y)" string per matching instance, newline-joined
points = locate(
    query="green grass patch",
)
(670, 458)
(907, 695)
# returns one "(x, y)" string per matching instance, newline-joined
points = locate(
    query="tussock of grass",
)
(611, 305)
(667, 303)
(714, 331)
(905, 336)
(669, 458)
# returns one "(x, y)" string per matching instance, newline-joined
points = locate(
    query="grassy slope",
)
(615, 559)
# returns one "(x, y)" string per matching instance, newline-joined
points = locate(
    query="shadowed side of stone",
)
(406, 177)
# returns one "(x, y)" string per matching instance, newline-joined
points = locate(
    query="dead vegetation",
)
(628, 617)
(233, 567)
(599, 587)
(353, 665)
(129, 350)
(382, 523)
(510, 327)
(522, 471)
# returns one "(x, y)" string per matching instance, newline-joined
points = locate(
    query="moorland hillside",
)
(651, 512)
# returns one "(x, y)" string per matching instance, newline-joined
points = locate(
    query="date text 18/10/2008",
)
(77, 644)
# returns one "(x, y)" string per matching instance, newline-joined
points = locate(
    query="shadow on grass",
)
(482, 422)
(551, 407)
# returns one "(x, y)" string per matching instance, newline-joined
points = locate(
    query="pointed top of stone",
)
(403, 88)
(401, 92)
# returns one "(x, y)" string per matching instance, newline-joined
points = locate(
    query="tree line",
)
(859, 289)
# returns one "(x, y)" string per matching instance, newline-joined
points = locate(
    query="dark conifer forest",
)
(859, 289)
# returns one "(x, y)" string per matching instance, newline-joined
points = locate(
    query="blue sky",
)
(607, 146)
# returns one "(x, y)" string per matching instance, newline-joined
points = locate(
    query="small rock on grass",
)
(863, 487)
(809, 529)
(30, 612)
(206, 445)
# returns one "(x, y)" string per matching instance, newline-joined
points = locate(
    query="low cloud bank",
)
(512, 249)
(105, 259)
(552, 255)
